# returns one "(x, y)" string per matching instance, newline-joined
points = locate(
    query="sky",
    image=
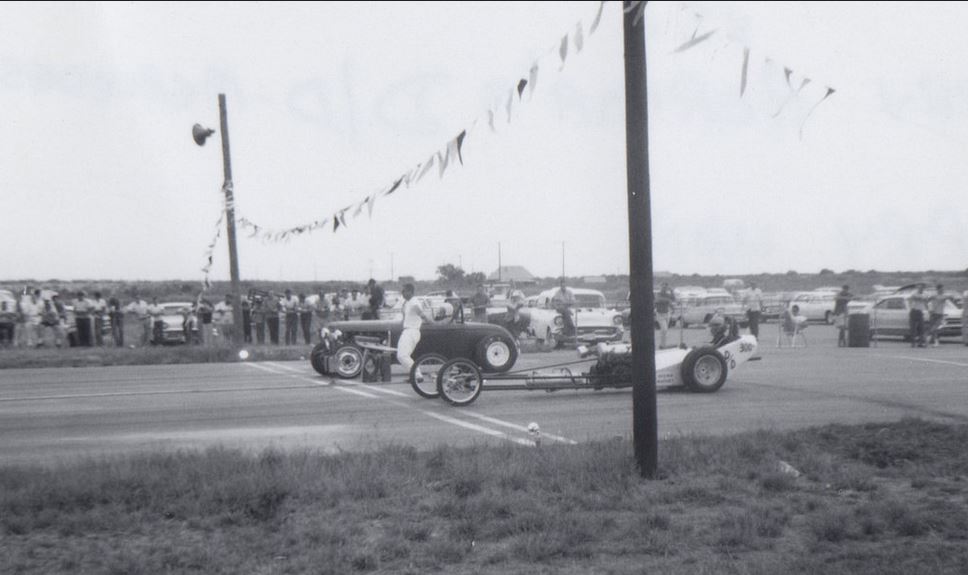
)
(331, 103)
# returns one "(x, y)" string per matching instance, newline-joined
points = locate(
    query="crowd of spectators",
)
(44, 318)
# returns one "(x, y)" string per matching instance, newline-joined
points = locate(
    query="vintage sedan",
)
(341, 350)
(178, 324)
(890, 316)
(702, 309)
(817, 305)
(594, 321)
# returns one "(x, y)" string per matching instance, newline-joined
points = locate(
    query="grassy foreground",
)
(877, 499)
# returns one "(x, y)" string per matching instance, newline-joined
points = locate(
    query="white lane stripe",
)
(928, 360)
(478, 428)
(262, 367)
(347, 387)
(285, 367)
(523, 428)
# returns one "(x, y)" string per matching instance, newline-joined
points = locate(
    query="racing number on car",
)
(745, 347)
(730, 359)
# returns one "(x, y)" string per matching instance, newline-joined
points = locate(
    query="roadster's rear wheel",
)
(497, 353)
(349, 361)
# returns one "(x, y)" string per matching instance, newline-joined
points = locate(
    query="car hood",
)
(380, 325)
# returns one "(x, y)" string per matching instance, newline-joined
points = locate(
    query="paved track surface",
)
(48, 416)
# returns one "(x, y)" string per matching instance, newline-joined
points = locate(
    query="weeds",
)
(722, 506)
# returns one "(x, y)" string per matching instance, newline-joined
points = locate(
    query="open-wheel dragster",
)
(460, 381)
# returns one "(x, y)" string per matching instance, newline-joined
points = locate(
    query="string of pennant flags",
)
(451, 153)
(794, 83)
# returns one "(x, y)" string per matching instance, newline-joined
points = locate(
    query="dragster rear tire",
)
(704, 370)
(317, 358)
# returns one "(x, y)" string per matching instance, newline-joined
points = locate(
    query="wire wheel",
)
(459, 382)
(423, 374)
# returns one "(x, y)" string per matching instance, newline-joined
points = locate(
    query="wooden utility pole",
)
(230, 223)
(645, 426)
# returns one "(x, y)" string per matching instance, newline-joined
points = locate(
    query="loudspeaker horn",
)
(200, 134)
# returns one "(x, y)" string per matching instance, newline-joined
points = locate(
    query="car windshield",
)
(590, 300)
(174, 308)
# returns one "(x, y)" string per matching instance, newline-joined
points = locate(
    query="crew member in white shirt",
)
(413, 317)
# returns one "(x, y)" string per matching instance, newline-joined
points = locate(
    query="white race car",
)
(700, 370)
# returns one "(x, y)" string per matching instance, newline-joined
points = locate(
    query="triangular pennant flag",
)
(442, 160)
(429, 164)
(490, 119)
(532, 79)
(830, 91)
(393, 188)
(369, 204)
(743, 71)
(507, 106)
(598, 18)
(563, 50)
(460, 144)
(694, 41)
(358, 210)
(786, 74)
(335, 222)
(521, 84)
(579, 38)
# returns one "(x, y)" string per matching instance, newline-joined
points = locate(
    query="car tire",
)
(317, 358)
(704, 370)
(459, 382)
(550, 340)
(828, 318)
(429, 365)
(349, 361)
(496, 353)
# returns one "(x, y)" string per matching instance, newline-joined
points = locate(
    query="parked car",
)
(179, 324)
(890, 317)
(594, 322)
(340, 352)
(816, 305)
(702, 309)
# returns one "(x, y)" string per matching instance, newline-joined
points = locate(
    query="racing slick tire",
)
(349, 361)
(496, 353)
(459, 382)
(317, 358)
(704, 370)
(429, 365)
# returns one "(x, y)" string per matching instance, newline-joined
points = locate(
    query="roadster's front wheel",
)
(349, 361)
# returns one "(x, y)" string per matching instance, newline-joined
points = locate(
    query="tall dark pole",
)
(645, 426)
(230, 222)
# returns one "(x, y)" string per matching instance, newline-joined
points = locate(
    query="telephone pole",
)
(645, 425)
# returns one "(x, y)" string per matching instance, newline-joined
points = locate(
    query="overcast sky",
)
(330, 103)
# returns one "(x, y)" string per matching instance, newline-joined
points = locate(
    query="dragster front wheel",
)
(459, 382)
(423, 374)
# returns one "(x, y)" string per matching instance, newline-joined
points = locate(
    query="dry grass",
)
(871, 499)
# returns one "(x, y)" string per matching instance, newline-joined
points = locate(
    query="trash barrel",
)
(859, 330)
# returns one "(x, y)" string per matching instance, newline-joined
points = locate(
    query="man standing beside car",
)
(479, 302)
(937, 304)
(840, 314)
(413, 317)
(753, 301)
(563, 300)
(919, 305)
(664, 301)
(376, 298)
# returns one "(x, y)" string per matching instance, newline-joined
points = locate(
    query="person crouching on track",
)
(413, 317)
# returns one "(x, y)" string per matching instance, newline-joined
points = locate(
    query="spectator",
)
(224, 319)
(61, 318)
(456, 304)
(99, 308)
(49, 321)
(139, 308)
(664, 302)
(514, 295)
(479, 302)
(792, 322)
(964, 318)
(83, 319)
(305, 309)
(291, 304)
(8, 319)
(919, 305)
(376, 298)
(246, 320)
(206, 317)
(155, 311)
(840, 314)
(563, 300)
(259, 318)
(936, 305)
(273, 310)
(323, 308)
(30, 308)
(753, 302)
(116, 315)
